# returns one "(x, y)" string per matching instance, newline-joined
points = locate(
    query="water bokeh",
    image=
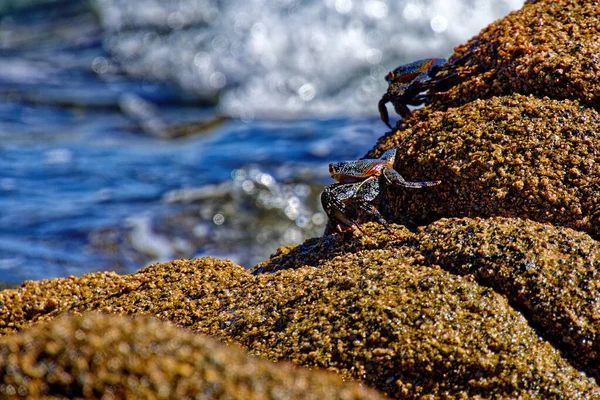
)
(286, 58)
(136, 132)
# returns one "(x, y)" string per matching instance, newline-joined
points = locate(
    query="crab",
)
(358, 185)
(407, 84)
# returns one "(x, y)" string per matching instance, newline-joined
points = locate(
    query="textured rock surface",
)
(107, 355)
(155, 290)
(511, 156)
(380, 315)
(458, 308)
(38, 300)
(549, 274)
(499, 304)
(548, 48)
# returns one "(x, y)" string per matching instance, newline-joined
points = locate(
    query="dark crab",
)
(408, 82)
(358, 186)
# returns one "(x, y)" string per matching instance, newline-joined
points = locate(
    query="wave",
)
(284, 58)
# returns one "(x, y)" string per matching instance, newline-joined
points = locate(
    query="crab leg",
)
(396, 179)
(383, 112)
(402, 110)
(337, 210)
(371, 210)
(358, 188)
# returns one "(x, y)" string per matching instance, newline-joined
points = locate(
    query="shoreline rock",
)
(102, 355)
(454, 309)
(487, 300)
(512, 156)
(547, 48)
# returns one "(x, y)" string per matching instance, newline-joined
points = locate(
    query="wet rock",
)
(499, 303)
(34, 301)
(551, 275)
(548, 274)
(406, 314)
(160, 289)
(409, 330)
(107, 355)
(512, 156)
(547, 48)
(315, 251)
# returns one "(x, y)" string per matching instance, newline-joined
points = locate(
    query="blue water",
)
(90, 171)
(90, 177)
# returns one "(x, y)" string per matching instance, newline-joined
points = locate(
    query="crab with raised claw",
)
(407, 85)
(358, 185)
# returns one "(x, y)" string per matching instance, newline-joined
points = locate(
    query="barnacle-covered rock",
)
(551, 275)
(496, 298)
(98, 355)
(548, 274)
(548, 48)
(382, 316)
(406, 314)
(512, 156)
(157, 290)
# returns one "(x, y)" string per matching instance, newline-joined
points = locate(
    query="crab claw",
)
(383, 112)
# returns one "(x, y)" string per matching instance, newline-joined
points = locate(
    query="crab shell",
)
(353, 171)
(408, 73)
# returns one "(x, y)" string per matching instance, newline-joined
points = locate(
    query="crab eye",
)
(331, 169)
(390, 77)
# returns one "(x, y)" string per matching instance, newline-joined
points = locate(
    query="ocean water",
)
(132, 132)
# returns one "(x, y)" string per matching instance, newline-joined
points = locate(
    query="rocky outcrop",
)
(548, 48)
(464, 307)
(512, 156)
(516, 131)
(494, 296)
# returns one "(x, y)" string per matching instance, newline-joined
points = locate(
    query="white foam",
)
(287, 58)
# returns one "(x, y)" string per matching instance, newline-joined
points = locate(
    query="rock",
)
(496, 297)
(34, 301)
(547, 48)
(381, 316)
(154, 290)
(512, 156)
(549, 274)
(456, 309)
(107, 355)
